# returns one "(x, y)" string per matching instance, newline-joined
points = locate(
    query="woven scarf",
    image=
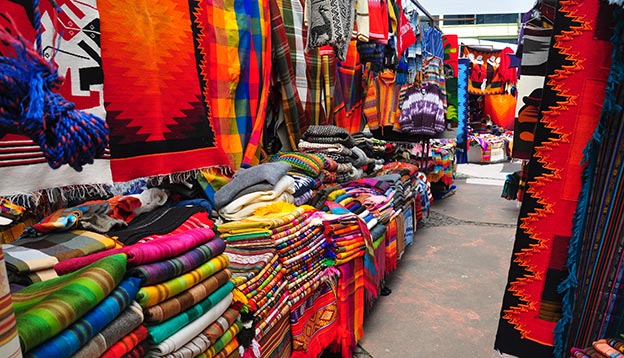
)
(127, 344)
(44, 309)
(163, 248)
(123, 325)
(151, 295)
(157, 272)
(190, 331)
(180, 303)
(223, 341)
(78, 334)
(162, 331)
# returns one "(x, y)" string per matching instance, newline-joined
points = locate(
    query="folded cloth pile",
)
(606, 347)
(373, 148)
(306, 171)
(339, 201)
(349, 237)
(254, 188)
(70, 303)
(443, 167)
(403, 179)
(31, 260)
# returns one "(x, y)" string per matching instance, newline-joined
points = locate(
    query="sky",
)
(457, 7)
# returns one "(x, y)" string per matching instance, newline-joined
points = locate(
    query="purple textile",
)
(161, 271)
(423, 111)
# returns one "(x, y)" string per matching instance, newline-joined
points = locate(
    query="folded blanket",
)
(191, 330)
(160, 332)
(127, 343)
(245, 205)
(223, 341)
(78, 334)
(231, 350)
(207, 337)
(65, 219)
(40, 253)
(137, 352)
(151, 295)
(130, 319)
(159, 249)
(180, 303)
(306, 163)
(258, 178)
(156, 272)
(44, 309)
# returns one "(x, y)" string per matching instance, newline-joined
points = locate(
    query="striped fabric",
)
(138, 254)
(160, 271)
(162, 331)
(180, 303)
(44, 309)
(296, 30)
(282, 60)
(122, 326)
(78, 334)
(151, 295)
(230, 349)
(9, 341)
(189, 332)
(223, 341)
(314, 103)
(127, 344)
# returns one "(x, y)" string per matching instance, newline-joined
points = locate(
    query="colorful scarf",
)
(9, 340)
(161, 271)
(127, 344)
(223, 341)
(44, 309)
(78, 334)
(151, 295)
(162, 331)
(122, 326)
(160, 249)
(190, 331)
(180, 303)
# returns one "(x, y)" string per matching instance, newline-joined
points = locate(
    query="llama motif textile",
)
(78, 59)
(569, 112)
(157, 114)
(330, 22)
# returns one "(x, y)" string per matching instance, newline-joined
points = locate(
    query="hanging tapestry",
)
(490, 71)
(155, 73)
(593, 305)
(451, 64)
(569, 111)
(462, 110)
(524, 125)
(23, 168)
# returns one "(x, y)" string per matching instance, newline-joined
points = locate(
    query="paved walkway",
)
(448, 288)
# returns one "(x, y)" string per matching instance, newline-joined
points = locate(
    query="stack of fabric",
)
(261, 274)
(602, 348)
(338, 147)
(253, 188)
(60, 317)
(306, 171)
(349, 237)
(31, 260)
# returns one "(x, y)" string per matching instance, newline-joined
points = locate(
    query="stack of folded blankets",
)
(403, 180)
(306, 171)
(443, 163)
(374, 149)
(261, 274)
(349, 237)
(253, 188)
(344, 161)
(602, 348)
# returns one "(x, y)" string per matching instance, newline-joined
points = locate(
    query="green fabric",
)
(160, 332)
(223, 341)
(44, 309)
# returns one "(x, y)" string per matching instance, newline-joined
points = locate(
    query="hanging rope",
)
(29, 106)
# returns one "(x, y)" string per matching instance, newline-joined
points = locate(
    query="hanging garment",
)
(362, 21)
(330, 22)
(423, 111)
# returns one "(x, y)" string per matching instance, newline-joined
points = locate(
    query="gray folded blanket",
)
(261, 177)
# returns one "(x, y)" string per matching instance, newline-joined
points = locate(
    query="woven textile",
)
(156, 250)
(314, 321)
(151, 295)
(78, 334)
(180, 303)
(451, 52)
(592, 306)
(223, 341)
(157, 117)
(277, 342)
(330, 23)
(180, 338)
(532, 304)
(207, 337)
(9, 341)
(162, 331)
(292, 16)
(123, 325)
(46, 308)
(127, 343)
(34, 254)
(160, 271)
(78, 60)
